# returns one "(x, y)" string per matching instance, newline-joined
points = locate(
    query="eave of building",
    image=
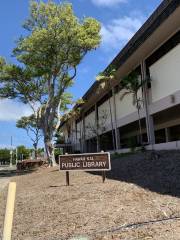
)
(161, 25)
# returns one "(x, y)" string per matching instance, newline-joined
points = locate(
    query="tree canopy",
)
(31, 125)
(48, 55)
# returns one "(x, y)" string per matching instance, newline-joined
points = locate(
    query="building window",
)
(175, 133)
(160, 136)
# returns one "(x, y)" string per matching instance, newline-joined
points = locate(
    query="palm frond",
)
(124, 94)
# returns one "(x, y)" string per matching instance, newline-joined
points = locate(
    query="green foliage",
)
(79, 102)
(55, 43)
(23, 152)
(32, 127)
(131, 81)
(2, 62)
(53, 28)
(40, 152)
(59, 139)
(108, 75)
(58, 152)
(75, 111)
(27, 122)
(132, 85)
(132, 143)
(5, 155)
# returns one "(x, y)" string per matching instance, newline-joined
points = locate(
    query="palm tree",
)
(106, 77)
(132, 85)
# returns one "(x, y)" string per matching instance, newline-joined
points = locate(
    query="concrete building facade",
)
(111, 122)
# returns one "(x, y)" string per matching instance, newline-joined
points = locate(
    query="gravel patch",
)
(137, 190)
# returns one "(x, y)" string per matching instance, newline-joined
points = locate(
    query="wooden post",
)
(67, 178)
(103, 173)
(103, 176)
(67, 175)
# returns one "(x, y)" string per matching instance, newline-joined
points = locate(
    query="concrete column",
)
(83, 136)
(167, 134)
(97, 132)
(149, 118)
(117, 133)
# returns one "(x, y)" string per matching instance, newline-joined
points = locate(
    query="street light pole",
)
(11, 153)
(16, 156)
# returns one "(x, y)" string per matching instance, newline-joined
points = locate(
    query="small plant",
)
(132, 143)
(132, 85)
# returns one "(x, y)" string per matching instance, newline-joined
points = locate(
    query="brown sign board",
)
(85, 162)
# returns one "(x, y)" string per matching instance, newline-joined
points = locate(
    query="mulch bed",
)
(137, 190)
(29, 164)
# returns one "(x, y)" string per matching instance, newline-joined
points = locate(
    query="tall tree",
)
(55, 43)
(106, 77)
(30, 124)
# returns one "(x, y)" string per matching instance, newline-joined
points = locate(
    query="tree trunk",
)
(139, 121)
(112, 129)
(110, 109)
(98, 142)
(140, 128)
(47, 128)
(50, 152)
(35, 150)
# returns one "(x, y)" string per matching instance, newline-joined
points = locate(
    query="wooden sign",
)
(85, 162)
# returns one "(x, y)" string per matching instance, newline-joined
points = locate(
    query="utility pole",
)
(11, 153)
(16, 156)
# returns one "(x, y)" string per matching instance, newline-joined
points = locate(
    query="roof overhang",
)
(159, 27)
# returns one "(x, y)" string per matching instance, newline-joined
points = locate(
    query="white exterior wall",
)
(65, 132)
(90, 125)
(73, 132)
(104, 110)
(79, 130)
(124, 106)
(64, 129)
(165, 74)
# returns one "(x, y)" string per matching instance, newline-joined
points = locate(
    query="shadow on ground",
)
(12, 173)
(160, 174)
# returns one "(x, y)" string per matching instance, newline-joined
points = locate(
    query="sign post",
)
(85, 162)
(67, 178)
(67, 175)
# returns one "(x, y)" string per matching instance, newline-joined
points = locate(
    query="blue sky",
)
(120, 19)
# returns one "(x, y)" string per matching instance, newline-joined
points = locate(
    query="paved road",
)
(5, 176)
(3, 183)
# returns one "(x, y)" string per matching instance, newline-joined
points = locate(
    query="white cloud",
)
(119, 31)
(11, 110)
(6, 146)
(107, 3)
